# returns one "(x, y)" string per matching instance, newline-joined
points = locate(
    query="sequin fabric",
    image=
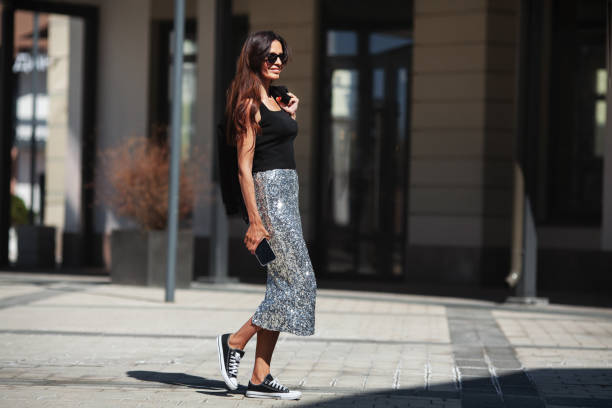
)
(289, 303)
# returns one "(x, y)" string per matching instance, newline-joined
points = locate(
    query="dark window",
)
(363, 144)
(161, 81)
(577, 112)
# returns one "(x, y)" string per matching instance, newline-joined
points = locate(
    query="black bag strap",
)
(228, 174)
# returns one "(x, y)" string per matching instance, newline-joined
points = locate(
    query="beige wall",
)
(58, 74)
(205, 126)
(462, 122)
(123, 71)
(164, 9)
(63, 147)
(59, 140)
(297, 22)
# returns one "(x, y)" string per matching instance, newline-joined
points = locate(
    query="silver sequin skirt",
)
(289, 303)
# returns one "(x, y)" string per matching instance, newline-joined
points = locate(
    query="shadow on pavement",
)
(513, 389)
(203, 385)
(597, 297)
(508, 388)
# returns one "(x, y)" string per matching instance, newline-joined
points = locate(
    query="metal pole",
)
(175, 146)
(523, 272)
(516, 262)
(33, 149)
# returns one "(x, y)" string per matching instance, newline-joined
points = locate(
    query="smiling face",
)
(272, 71)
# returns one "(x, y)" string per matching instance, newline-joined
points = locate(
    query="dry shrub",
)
(137, 172)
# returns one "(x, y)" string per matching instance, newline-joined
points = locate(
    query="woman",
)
(263, 129)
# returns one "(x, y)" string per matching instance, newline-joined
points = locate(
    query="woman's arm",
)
(256, 231)
(245, 175)
(292, 106)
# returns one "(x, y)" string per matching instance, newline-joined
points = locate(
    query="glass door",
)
(47, 74)
(161, 83)
(362, 221)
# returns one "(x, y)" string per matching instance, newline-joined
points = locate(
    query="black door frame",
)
(159, 109)
(89, 128)
(363, 63)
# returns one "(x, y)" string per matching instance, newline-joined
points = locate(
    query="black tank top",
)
(274, 145)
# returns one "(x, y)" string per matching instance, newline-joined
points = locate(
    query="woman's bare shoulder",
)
(248, 102)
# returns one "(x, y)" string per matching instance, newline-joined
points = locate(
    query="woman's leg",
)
(240, 339)
(266, 341)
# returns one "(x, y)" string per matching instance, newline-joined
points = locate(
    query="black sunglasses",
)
(271, 58)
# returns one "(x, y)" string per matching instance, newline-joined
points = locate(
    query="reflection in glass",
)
(367, 123)
(600, 127)
(369, 215)
(341, 42)
(400, 146)
(601, 83)
(47, 143)
(601, 87)
(343, 127)
(384, 42)
(31, 130)
(368, 173)
(400, 179)
(402, 102)
(188, 93)
(378, 83)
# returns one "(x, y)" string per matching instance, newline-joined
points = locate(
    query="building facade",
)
(414, 117)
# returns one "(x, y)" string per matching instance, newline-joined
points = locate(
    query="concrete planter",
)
(35, 246)
(139, 257)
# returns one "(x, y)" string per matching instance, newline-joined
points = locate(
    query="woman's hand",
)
(292, 106)
(254, 235)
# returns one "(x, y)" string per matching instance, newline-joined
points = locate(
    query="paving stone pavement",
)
(77, 341)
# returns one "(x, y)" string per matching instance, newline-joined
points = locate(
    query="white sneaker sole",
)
(228, 381)
(291, 395)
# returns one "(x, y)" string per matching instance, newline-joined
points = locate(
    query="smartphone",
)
(281, 91)
(264, 253)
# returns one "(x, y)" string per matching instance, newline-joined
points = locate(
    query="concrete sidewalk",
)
(74, 341)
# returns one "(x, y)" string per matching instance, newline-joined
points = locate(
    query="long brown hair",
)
(246, 84)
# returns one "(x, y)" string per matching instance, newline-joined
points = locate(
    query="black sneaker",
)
(270, 388)
(229, 360)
